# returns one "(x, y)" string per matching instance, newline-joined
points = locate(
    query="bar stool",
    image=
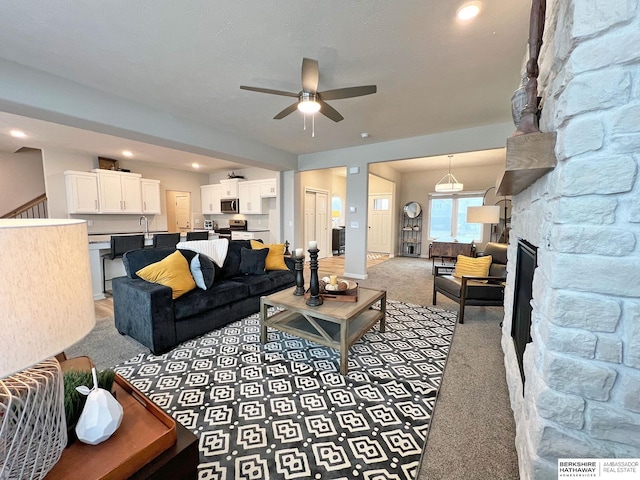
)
(120, 244)
(165, 239)
(197, 236)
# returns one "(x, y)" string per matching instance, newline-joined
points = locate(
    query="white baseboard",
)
(355, 275)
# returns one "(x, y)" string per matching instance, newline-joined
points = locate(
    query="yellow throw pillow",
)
(275, 258)
(472, 266)
(172, 271)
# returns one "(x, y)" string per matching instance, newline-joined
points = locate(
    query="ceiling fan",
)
(309, 99)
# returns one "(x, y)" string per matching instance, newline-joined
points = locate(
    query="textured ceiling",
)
(188, 59)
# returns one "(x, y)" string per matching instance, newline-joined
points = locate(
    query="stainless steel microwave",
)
(230, 205)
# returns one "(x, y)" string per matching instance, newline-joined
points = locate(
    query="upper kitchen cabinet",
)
(268, 188)
(210, 196)
(82, 192)
(251, 193)
(229, 188)
(120, 192)
(249, 196)
(150, 196)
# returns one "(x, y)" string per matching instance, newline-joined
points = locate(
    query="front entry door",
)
(379, 231)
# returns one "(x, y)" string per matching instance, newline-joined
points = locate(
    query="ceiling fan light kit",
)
(308, 103)
(310, 100)
(449, 183)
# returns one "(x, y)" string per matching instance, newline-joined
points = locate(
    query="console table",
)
(449, 251)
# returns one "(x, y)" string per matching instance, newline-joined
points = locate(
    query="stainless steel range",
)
(234, 225)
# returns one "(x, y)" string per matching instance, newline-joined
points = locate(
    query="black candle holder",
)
(314, 299)
(298, 263)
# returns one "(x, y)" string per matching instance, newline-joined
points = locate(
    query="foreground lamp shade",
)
(484, 214)
(46, 299)
(46, 305)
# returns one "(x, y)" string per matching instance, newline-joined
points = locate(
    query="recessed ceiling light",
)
(195, 165)
(17, 133)
(127, 153)
(468, 11)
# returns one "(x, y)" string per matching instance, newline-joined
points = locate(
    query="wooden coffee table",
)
(333, 324)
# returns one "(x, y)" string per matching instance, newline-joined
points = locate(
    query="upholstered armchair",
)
(484, 289)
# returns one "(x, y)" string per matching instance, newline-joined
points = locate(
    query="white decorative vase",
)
(101, 416)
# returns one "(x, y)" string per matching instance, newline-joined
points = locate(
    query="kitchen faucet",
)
(146, 225)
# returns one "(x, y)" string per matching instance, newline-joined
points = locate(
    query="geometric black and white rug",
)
(283, 410)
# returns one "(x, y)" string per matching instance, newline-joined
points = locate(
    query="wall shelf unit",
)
(411, 231)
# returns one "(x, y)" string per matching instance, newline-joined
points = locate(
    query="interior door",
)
(322, 224)
(316, 221)
(183, 211)
(309, 218)
(379, 224)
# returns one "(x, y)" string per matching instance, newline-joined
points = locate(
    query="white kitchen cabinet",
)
(235, 235)
(120, 192)
(268, 188)
(229, 188)
(210, 196)
(150, 196)
(82, 192)
(249, 196)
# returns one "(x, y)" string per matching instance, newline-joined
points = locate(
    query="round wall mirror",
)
(412, 209)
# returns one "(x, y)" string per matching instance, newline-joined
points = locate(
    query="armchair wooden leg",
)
(434, 291)
(463, 299)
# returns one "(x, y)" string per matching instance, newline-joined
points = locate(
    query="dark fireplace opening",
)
(526, 263)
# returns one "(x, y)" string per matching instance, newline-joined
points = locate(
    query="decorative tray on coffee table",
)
(350, 294)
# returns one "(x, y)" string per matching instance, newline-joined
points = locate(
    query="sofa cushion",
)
(198, 301)
(202, 271)
(275, 259)
(172, 271)
(135, 260)
(265, 284)
(252, 262)
(231, 266)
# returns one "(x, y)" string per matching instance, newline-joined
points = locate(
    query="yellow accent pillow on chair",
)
(275, 257)
(472, 266)
(172, 271)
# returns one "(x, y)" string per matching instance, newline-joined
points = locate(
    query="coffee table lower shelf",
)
(301, 326)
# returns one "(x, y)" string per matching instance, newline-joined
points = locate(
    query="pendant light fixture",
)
(448, 183)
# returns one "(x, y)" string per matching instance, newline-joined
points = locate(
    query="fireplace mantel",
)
(529, 157)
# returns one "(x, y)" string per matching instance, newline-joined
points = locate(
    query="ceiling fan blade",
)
(269, 90)
(330, 112)
(348, 92)
(310, 75)
(287, 111)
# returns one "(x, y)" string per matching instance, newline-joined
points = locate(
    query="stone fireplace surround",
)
(582, 393)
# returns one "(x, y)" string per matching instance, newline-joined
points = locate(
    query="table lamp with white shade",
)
(46, 305)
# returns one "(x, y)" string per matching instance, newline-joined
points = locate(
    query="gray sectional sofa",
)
(146, 311)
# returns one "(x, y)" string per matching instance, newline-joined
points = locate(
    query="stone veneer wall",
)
(582, 392)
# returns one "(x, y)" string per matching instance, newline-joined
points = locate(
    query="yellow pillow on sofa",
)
(275, 258)
(472, 266)
(172, 271)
